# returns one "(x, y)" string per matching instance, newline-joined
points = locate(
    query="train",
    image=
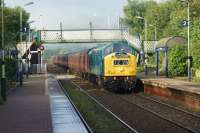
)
(112, 65)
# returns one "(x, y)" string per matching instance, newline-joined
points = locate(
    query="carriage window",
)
(121, 62)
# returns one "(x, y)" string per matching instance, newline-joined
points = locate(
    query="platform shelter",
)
(163, 46)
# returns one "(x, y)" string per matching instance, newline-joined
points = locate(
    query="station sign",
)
(184, 23)
(41, 47)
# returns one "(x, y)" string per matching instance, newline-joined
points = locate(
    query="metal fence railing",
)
(37, 68)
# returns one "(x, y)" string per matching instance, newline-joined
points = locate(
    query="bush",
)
(10, 69)
(196, 56)
(152, 59)
(177, 61)
(140, 69)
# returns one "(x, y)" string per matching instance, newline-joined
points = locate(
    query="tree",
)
(133, 9)
(12, 25)
(167, 16)
(177, 61)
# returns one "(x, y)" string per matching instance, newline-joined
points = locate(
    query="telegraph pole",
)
(146, 55)
(3, 77)
(61, 32)
(19, 58)
(91, 33)
(189, 56)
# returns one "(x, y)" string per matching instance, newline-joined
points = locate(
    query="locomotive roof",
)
(101, 46)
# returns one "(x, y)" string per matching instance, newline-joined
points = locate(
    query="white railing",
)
(133, 40)
(94, 35)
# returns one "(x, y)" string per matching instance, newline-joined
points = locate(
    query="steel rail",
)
(170, 106)
(160, 116)
(128, 127)
(79, 114)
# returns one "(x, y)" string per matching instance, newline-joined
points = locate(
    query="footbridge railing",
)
(87, 36)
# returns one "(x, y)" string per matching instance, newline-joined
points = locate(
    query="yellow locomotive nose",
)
(121, 69)
(120, 65)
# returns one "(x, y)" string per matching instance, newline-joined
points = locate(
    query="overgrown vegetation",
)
(11, 70)
(97, 118)
(11, 38)
(177, 61)
(12, 25)
(167, 17)
(10, 73)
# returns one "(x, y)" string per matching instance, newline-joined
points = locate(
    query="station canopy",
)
(171, 41)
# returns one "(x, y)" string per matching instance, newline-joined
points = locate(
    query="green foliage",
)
(152, 59)
(167, 17)
(132, 10)
(12, 25)
(97, 118)
(177, 61)
(10, 68)
(140, 69)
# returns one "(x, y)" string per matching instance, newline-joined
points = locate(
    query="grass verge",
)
(196, 80)
(97, 118)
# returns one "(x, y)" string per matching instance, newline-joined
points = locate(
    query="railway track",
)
(128, 127)
(89, 130)
(127, 109)
(170, 106)
(192, 119)
(187, 129)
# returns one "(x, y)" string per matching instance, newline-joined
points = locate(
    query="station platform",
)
(39, 106)
(27, 109)
(184, 92)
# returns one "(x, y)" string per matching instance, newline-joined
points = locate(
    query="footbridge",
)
(87, 36)
(81, 36)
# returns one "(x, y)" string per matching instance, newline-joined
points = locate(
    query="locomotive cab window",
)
(121, 62)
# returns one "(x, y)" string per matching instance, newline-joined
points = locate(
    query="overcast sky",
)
(73, 13)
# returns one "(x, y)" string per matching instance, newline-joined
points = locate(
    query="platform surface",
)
(174, 84)
(27, 109)
(39, 106)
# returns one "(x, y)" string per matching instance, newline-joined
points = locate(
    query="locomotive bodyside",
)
(112, 64)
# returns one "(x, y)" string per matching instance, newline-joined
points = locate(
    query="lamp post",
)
(21, 30)
(155, 31)
(28, 30)
(41, 22)
(21, 16)
(3, 77)
(188, 34)
(145, 38)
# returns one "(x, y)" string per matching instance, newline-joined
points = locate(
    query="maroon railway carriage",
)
(60, 60)
(55, 60)
(78, 62)
(63, 61)
(73, 62)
